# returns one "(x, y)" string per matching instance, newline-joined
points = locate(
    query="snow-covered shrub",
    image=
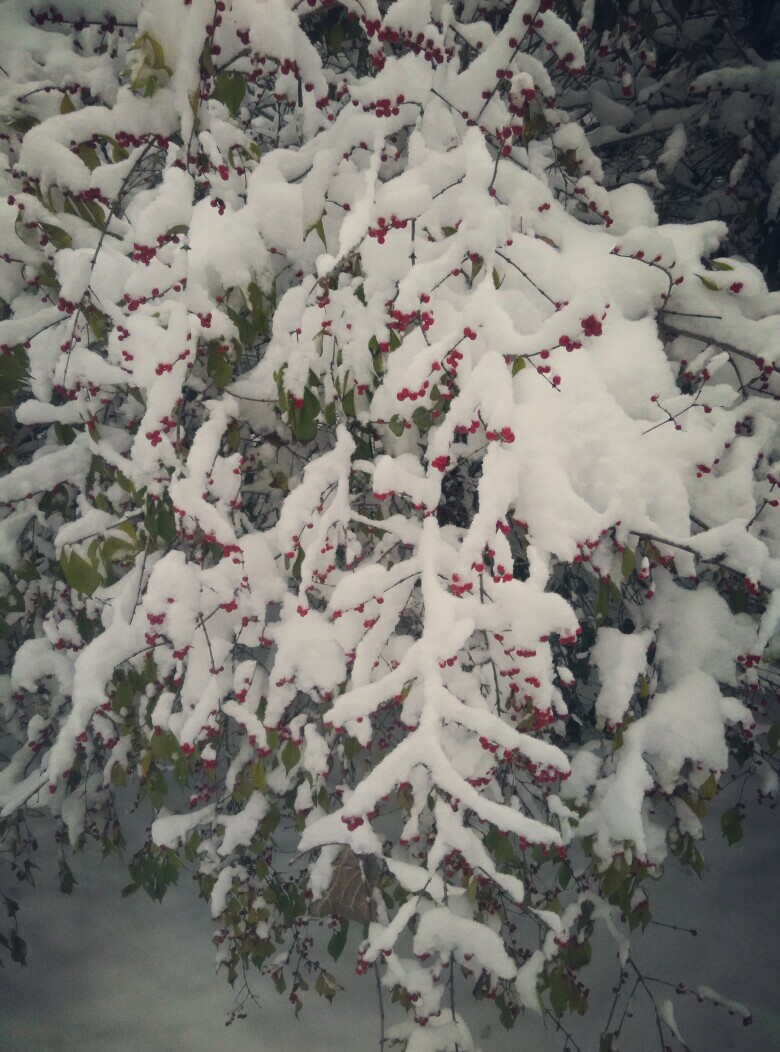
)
(390, 503)
(685, 98)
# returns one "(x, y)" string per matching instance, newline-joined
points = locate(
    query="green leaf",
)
(731, 825)
(422, 418)
(27, 571)
(644, 914)
(153, 54)
(159, 520)
(66, 105)
(162, 746)
(91, 212)
(303, 419)
(503, 851)
(559, 993)
(166, 522)
(98, 323)
(319, 229)
(157, 51)
(18, 949)
(505, 1017)
(58, 237)
(518, 365)
(338, 940)
(124, 696)
(348, 403)
(156, 788)
(613, 880)
(230, 89)
(23, 124)
(396, 425)
(296, 566)
(564, 874)
(708, 283)
(579, 954)
(219, 368)
(245, 332)
(79, 574)
(708, 788)
(720, 265)
(261, 305)
(311, 404)
(773, 738)
(696, 860)
(130, 531)
(628, 563)
(742, 751)
(699, 807)
(291, 754)
(13, 374)
(207, 61)
(67, 880)
(233, 436)
(89, 156)
(258, 776)
(180, 770)
(47, 276)
(335, 39)
(115, 549)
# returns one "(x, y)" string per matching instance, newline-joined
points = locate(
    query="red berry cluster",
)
(591, 326)
(380, 231)
(405, 393)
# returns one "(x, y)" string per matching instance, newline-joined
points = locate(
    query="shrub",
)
(391, 502)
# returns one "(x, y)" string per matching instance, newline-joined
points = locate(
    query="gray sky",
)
(112, 975)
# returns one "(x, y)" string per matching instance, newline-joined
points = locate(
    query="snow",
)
(221, 889)
(92, 671)
(50, 467)
(169, 831)
(440, 931)
(620, 659)
(674, 148)
(241, 827)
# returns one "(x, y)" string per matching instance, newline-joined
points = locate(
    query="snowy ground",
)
(111, 975)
